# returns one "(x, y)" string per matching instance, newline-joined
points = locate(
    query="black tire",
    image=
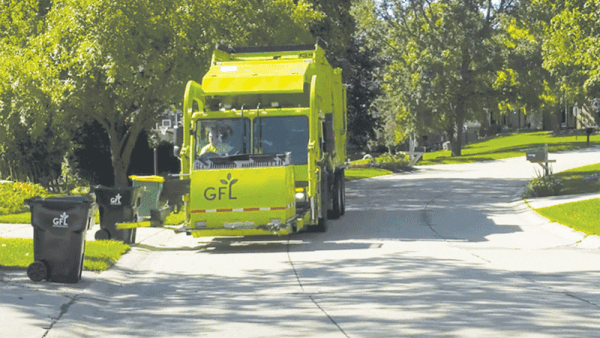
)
(342, 194)
(37, 271)
(335, 211)
(102, 234)
(325, 199)
(322, 225)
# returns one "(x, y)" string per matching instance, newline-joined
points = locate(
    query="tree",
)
(522, 83)
(571, 46)
(362, 85)
(121, 64)
(444, 57)
(32, 134)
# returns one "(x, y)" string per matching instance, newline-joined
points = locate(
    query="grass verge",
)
(581, 216)
(575, 183)
(99, 255)
(509, 146)
(360, 173)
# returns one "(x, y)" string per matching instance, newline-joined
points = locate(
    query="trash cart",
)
(151, 205)
(116, 205)
(59, 228)
(174, 188)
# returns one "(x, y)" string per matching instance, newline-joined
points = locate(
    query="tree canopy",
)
(444, 58)
(121, 64)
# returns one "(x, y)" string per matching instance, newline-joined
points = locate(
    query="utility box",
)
(59, 228)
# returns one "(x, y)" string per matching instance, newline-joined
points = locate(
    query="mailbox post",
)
(540, 156)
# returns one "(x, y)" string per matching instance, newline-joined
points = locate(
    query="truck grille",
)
(244, 161)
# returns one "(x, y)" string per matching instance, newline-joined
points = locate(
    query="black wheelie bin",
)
(59, 228)
(117, 205)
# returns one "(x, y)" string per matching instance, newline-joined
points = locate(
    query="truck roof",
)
(269, 69)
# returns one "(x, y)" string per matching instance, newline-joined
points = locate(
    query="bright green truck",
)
(263, 142)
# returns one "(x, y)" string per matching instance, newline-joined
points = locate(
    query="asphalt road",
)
(445, 251)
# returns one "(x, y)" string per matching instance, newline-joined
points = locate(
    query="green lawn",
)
(582, 216)
(509, 146)
(99, 255)
(359, 173)
(575, 183)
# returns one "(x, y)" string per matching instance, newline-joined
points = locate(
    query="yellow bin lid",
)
(153, 178)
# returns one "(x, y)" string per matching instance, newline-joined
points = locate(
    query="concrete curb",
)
(526, 209)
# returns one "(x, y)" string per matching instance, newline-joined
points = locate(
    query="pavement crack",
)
(328, 316)
(427, 221)
(64, 308)
(581, 299)
(292, 264)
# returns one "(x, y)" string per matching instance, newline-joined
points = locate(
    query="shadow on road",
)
(399, 295)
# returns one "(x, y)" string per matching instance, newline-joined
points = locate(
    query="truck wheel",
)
(322, 225)
(342, 194)
(325, 199)
(336, 205)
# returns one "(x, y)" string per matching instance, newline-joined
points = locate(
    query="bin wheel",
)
(133, 233)
(37, 271)
(102, 234)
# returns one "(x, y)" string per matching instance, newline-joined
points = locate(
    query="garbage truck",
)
(262, 142)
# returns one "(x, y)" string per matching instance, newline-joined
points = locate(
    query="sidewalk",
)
(527, 210)
(543, 202)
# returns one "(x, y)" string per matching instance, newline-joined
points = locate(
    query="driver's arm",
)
(209, 148)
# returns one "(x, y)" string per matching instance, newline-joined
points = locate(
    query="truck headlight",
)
(300, 195)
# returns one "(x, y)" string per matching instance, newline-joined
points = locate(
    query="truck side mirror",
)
(178, 140)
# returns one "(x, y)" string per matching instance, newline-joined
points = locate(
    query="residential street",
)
(444, 251)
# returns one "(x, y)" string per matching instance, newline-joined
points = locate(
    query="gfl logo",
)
(116, 200)
(61, 221)
(212, 193)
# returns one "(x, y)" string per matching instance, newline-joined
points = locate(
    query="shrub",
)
(544, 186)
(394, 163)
(13, 194)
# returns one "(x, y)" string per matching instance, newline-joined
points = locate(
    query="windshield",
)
(223, 136)
(278, 135)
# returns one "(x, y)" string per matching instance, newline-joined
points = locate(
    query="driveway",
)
(444, 251)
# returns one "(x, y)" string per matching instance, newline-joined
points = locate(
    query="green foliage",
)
(582, 216)
(12, 196)
(439, 72)
(394, 163)
(542, 186)
(118, 63)
(571, 47)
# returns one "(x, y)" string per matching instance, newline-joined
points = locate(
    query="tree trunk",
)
(119, 163)
(121, 147)
(460, 119)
